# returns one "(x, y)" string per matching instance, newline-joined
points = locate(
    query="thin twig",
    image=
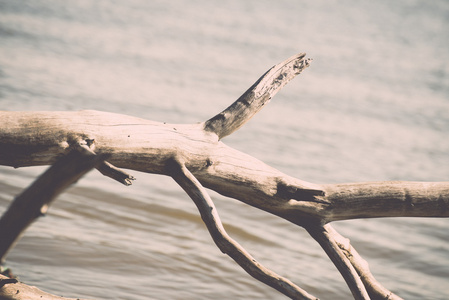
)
(108, 169)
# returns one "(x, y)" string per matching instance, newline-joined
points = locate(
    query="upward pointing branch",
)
(259, 94)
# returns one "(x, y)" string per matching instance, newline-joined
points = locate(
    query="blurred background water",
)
(374, 105)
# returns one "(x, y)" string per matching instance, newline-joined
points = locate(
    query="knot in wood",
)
(209, 163)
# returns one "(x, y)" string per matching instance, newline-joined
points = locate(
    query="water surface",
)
(374, 105)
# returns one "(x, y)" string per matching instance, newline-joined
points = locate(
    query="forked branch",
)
(195, 156)
(224, 242)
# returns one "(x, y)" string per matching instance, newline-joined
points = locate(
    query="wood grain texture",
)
(195, 156)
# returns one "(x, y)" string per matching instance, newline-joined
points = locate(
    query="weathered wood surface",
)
(195, 156)
(39, 138)
(12, 289)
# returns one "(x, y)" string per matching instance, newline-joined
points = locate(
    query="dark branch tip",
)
(6, 281)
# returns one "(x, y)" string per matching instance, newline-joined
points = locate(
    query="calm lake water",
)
(374, 105)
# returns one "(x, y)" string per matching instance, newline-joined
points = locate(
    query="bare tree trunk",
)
(195, 156)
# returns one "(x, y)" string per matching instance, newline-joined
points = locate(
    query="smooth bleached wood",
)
(195, 156)
(255, 98)
(224, 242)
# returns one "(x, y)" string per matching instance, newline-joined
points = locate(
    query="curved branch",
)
(327, 241)
(374, 288)
(35, 200)
(223, 241)
(259, 94)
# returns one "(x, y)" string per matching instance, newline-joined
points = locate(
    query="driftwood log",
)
(196, 158)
